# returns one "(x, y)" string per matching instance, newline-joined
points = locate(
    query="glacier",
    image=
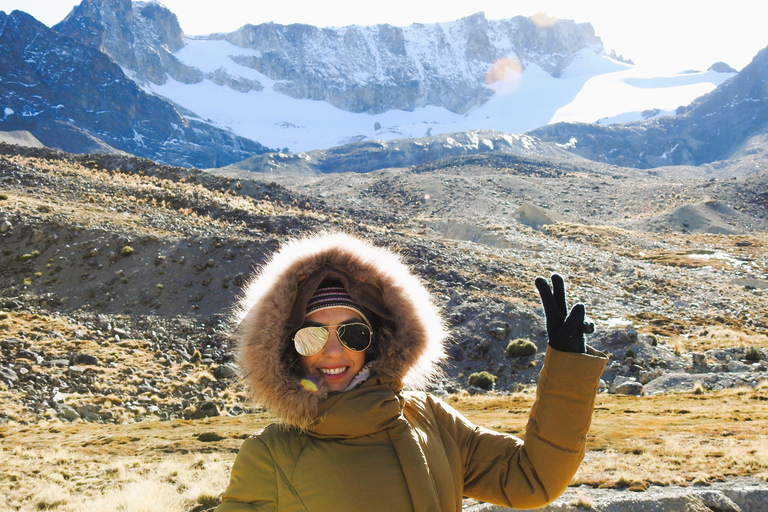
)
(594, 88)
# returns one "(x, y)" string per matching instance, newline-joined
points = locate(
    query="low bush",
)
(753, 354)
(521, 347)
(482, 380)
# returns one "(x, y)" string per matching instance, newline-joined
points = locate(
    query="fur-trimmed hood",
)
(409, 339)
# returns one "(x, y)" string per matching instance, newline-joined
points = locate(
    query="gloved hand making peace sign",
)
(565, 330)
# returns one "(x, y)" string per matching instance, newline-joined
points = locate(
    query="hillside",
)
(117, 275)
(74, 97)
(159, 253)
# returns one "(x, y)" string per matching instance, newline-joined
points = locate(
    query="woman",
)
(331, 331)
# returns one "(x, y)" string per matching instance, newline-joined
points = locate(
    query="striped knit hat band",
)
(334, 296)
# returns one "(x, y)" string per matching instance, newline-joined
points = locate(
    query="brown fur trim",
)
(273, 303)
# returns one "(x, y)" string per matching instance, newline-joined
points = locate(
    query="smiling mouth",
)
(333, 371)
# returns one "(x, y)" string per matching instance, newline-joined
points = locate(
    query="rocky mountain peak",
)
(140, 36)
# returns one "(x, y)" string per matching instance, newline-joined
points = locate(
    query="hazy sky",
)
(672, 34)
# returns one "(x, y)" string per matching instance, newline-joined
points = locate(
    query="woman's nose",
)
(333, 346)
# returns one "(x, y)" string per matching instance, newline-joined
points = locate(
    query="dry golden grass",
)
(142, 195)
(149, 466)
(667, 439)
(680, 439)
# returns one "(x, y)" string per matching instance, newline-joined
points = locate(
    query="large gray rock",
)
(738, 495)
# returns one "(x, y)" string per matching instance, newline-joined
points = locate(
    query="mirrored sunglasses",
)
(311, 340)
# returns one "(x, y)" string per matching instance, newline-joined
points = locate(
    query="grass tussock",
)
(141, 484)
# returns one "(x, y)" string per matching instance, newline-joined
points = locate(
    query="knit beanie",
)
(334, 295)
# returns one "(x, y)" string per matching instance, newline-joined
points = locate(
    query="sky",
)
(670, 35)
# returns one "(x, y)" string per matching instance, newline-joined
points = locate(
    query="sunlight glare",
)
(309, 385)
(505, 75)
(543, 20)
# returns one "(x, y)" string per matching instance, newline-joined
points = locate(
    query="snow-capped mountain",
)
(126, 78)
(300, 87)
(731, 121)
(74, 97)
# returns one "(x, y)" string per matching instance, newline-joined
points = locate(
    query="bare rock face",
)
(140, 36)
(378, 68)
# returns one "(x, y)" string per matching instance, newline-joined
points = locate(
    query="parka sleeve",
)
(505, 470)
(252, 484)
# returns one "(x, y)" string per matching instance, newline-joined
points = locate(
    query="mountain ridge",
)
(165, 119)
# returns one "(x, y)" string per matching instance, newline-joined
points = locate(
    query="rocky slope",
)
(140, 261)
(367, 156)
(117, 275)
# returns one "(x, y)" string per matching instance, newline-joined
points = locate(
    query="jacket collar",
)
(372, 407)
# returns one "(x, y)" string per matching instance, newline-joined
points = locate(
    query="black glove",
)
(565, 333)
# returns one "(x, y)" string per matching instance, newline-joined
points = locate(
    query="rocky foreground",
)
(117, 276)
(119, 256)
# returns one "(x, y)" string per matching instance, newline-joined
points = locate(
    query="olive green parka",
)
(377, 447)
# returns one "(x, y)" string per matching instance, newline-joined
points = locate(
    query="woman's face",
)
(335, 364)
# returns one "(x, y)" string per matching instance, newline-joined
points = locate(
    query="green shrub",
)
(482, 380)
(126, 251)
(753, 354)
(521, 347)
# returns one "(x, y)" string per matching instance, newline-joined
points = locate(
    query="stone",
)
(28, 354)
(206, 410)
(647, 376)
(737, 366)
(10, 343)
(68, 413)
(88, 412)
(226, 371)
(698, 358)
(208, 437)
(499, 333)
(623, 336)
(456, 353)
(8, 375)
(85, 359)
(630, 387)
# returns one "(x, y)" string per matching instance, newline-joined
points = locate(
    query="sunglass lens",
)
(355, 337)
(310, 340)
